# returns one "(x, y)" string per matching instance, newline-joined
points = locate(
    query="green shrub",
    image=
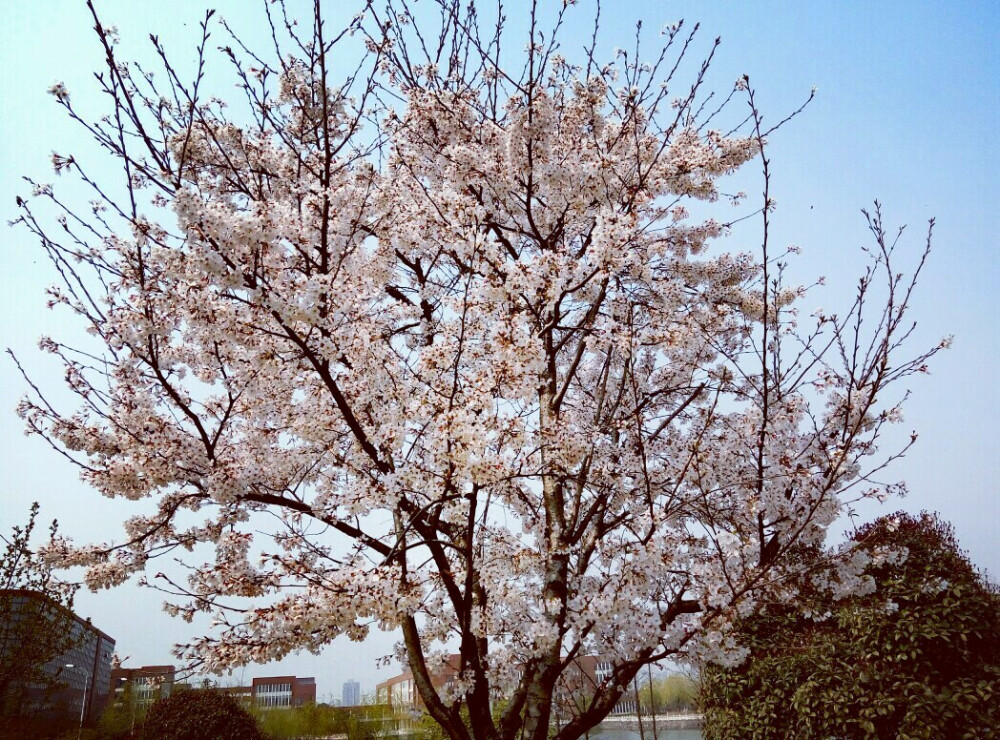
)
(200, 715)
(917, 658)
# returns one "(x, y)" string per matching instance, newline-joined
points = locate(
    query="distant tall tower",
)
(352, 694)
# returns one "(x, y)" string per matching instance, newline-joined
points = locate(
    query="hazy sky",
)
(906, 112)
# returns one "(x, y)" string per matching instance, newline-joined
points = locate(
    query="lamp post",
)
(83, 704)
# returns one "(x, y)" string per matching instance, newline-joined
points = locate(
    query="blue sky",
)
(907, 111)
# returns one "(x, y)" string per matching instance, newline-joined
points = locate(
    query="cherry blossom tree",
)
(441, 325)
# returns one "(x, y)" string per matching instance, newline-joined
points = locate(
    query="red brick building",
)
(400, 693)
(283, 691)
(143, 685)
(275, 691)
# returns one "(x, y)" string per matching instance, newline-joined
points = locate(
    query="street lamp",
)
(83, 704)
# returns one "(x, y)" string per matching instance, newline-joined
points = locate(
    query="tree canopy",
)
(916, 657)
(441, 324)
(672, 693)
(199, 714)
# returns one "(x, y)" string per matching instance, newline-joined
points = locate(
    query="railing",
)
(677, 721)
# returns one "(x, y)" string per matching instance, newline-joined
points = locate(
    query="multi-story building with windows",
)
(275, 692)
(588, 671)
(143, 685)
(400, 693)
(582, 676)
(78, 674)
(351, 695)
(283, 691)
(242, 694)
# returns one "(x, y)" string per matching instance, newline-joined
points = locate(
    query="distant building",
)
(582, 676)
(242, 694)
(80, 676)
(283, 691)
(351, 694)
(143, 685)
(400, 694)
(587, 671)
(275, 692)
